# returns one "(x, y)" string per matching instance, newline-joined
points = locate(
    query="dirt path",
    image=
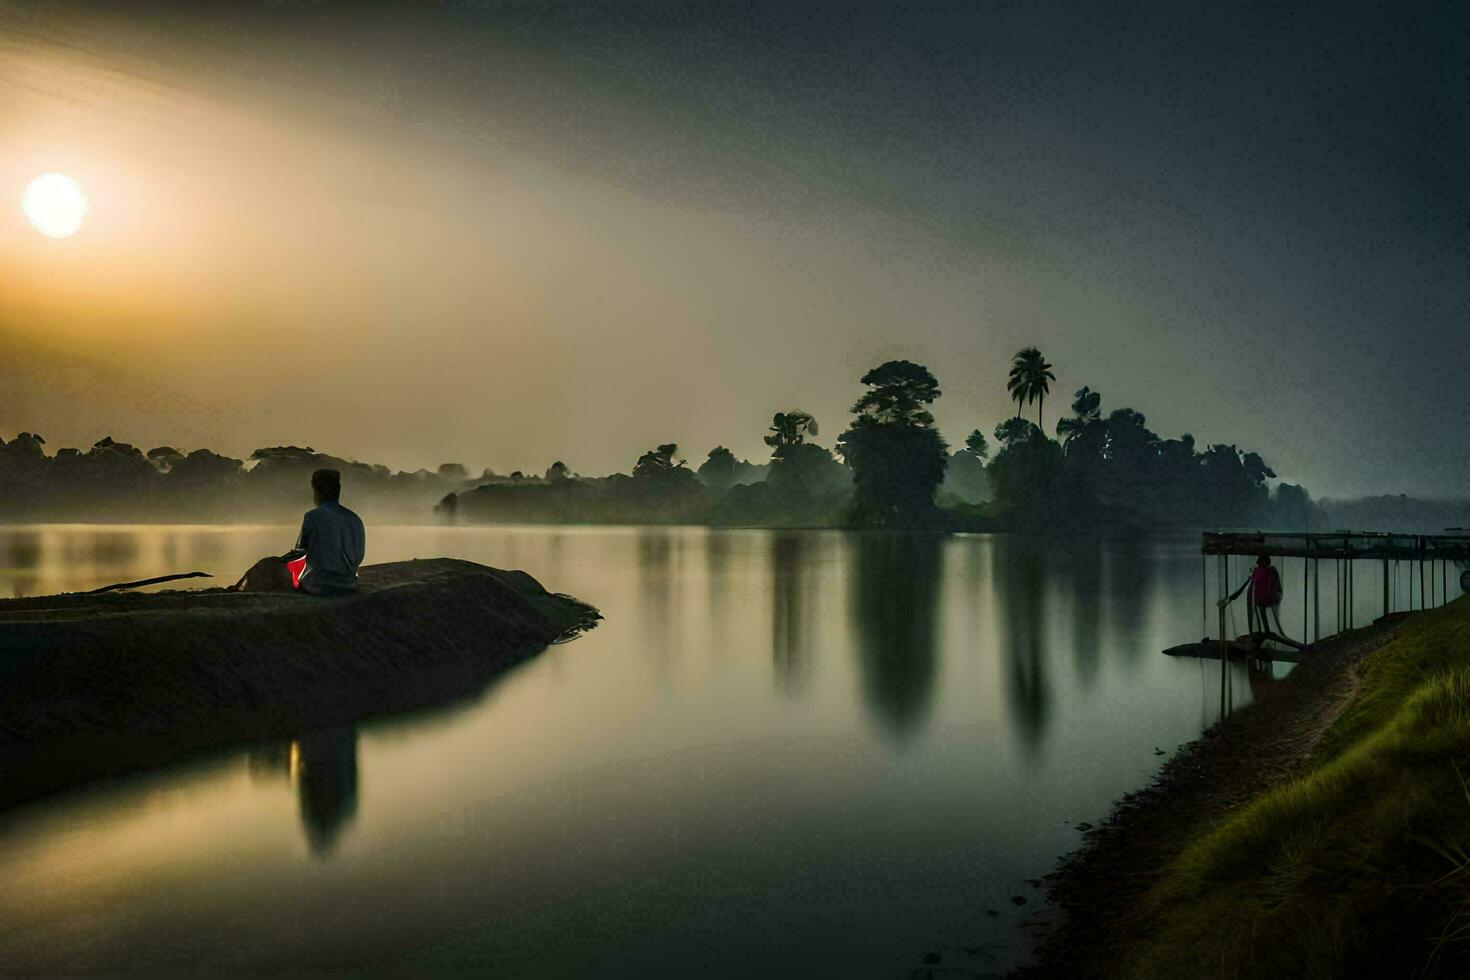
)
(1097, 890)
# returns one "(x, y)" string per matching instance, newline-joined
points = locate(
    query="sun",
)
(55, 205)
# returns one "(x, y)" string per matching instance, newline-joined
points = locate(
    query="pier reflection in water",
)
(809, 751)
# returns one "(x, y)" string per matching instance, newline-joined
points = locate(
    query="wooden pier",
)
(1400, 562)
(1352, 545)
(1424, 554)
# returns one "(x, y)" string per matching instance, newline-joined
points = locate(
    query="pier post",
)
(1386, 609)
(1317, 599)
(1338, 587)
(1352, 592)
(1224, 574)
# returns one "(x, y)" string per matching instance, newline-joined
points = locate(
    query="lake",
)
(783, 752)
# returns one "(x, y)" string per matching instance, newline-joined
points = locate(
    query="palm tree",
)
(1030, 380)
(790, 429)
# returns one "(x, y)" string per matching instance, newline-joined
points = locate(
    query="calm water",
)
(811, 753)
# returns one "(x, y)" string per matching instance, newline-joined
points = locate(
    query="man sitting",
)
(328, 551)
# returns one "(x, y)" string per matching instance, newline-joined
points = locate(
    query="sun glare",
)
(55, 205)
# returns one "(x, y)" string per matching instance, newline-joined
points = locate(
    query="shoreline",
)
(102, 684)
(1095, 895)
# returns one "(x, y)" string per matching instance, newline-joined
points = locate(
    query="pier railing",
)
(1350, 545)
(1399, 559)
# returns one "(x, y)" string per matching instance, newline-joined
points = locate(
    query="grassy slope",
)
(1359, 864)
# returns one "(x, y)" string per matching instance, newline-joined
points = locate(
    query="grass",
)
(1359, 865)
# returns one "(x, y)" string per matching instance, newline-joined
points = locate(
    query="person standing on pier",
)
(1264, 596)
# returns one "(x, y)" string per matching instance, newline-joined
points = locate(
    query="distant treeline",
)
(889, 468)
(1394, 513)
(114, 481)
(892, 468)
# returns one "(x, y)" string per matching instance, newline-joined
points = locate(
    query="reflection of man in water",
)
(325, 765)
(328, 551)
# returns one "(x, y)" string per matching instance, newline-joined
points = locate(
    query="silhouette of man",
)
(328, 550)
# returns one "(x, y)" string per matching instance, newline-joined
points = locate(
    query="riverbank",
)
(98, 684)
(1320, 831)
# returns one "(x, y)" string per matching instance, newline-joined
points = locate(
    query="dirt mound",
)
(92, 682)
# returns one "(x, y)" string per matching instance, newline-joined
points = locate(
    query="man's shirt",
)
(334, 542)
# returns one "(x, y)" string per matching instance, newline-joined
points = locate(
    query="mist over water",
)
(786, 751)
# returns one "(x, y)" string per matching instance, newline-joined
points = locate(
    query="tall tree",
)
(1030, 380)
(790, 429)
(896, 455)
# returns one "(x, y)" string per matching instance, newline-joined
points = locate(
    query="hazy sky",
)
(504, 234)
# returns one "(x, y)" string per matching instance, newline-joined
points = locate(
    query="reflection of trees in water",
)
(323, 766)
(25, 561)
(168, 550)
(717, 581)
(552, 558)
(1079, 566)
(971, 563)
(1020, 608)
(789, 627)
(894, 605)
(115, 548)
(25, 549)
(1135, 564)
(205, 548)
(656, 583)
